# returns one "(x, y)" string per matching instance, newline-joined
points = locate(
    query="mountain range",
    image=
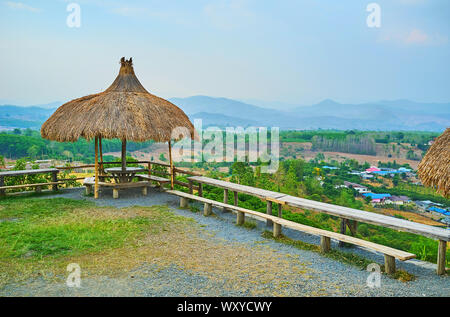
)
(328, 114)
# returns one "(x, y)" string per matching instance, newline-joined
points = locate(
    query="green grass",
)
(248, 225)
(37, 234)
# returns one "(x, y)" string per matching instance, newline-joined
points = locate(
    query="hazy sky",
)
(297, 52)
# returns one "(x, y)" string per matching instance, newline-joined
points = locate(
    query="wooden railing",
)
(55, 182)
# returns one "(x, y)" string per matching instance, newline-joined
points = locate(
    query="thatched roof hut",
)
(434, 169)
(126, 110)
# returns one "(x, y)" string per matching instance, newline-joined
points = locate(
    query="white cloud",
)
(21, 6)
(417, 36)
(414, 37)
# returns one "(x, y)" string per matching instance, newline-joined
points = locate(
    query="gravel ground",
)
(317, 275)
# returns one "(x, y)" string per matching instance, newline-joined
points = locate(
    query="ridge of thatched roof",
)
(126, 110)
(434, 169)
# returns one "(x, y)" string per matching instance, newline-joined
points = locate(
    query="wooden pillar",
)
(2, 183)
(269, 212)
(225, 198)
(279, 211)
(172, 172)
(124, 154)
(276, 230)
(235, 198)
(325, 244)
(54, 180)
(389, 264)
(342, 231)
(200, 189)
(240, 218)
(191, 187)
(183, 202)
(149, 166)
(115, 193)
(96, 169)
(207, 209)
(101, 154)
(441, 257)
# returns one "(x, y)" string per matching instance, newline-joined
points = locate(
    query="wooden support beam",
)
(207, 209)
(235, 194)
(269, 212)
(200, 190)
(115, 193)
(276, 230)
(144, 191)
(389, 264)
(172, 171)
(442, 249)
(225, 199)
(124, 154)
(325, 244)
(96, 169)
(240, 218)
(2, 183)
(342, 230)
(101, 154)
(279, 210)
(55, 180)
(191, 187)
(183, 202)
(149, 166)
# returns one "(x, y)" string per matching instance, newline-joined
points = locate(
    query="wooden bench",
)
(54, 183)
(349, 216)
(160, 180)
(390, 254)
(89, 183)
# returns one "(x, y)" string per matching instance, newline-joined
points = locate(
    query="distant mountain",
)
(328, 114)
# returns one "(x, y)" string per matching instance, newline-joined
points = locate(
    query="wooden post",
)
(96, 169)
(342, 231)
(279, 211)
(389, 264)
(172, 172)
(441, 257)
(240, 218)
(276, 230)
(101, 154)
(183, 202)
(55, 179)
(115, 193)
(269, 212)
(144, 191)
(149, 166)
(235, 198)
(325, 244)
(207, 209)
(200, 189)
(191, 187)
(2, 183)
(225, 198)
(124, 154)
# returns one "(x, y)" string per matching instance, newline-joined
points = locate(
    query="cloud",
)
(21, 6)
(414, 37)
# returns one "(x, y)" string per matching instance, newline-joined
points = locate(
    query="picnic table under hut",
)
(125, 111)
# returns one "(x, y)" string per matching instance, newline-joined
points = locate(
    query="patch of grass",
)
(248, 225)
(40, 233)
(337, 255)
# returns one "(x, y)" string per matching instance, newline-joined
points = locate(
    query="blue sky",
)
(297, 52)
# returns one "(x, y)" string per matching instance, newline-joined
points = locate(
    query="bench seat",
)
(390, 254)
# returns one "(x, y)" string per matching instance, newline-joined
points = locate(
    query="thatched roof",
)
(125, 111)
(434, 169)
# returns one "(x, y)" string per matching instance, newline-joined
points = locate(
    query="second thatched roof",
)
(125, 111)
(434, 169)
